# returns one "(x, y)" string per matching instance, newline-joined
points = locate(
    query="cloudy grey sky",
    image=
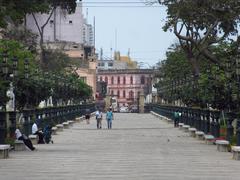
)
(138, 28)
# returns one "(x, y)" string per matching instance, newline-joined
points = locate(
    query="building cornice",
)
(125, 71)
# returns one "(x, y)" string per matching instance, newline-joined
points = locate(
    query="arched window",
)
(118, 80)
(101, 79)
(124, 93)
(106, 79)
(143, 80)
(131, 80)
(118, 93)
(112, 80)
(124, 80)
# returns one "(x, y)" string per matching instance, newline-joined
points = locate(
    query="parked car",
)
(134, 109)
(123, 109)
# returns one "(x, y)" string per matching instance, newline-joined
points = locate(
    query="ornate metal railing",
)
(204, 120)
(44, 116)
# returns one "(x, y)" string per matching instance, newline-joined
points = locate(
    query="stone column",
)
(107, 102)
(141, 103)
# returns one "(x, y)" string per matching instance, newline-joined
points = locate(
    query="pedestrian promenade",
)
(139, 147)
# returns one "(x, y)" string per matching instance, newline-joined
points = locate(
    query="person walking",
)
(99, 119)
(176, 118)
(25, 139)
(88, 116)
(109, 117)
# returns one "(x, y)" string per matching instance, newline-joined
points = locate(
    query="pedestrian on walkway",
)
(24, 138)
(38, 132)
(176, 116)
(99, 119)
(109, 117)
(87, 116)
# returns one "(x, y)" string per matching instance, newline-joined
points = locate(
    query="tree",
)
(49, 7)
(201, 24)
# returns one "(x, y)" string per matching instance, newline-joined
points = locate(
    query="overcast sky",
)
(137, 28)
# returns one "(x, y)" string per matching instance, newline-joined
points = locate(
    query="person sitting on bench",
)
(25, 139)
(38, 132)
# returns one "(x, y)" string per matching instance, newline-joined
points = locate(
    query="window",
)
(118, 80)
(124, 93)
(112, 80)
(102, 64)
(70, 22)
(143, 80)
(106, 79)
(118, 93)
(101, 78)
(112, 92)
(131, 80)
(131, 94)
(124, 80)
(110, 64)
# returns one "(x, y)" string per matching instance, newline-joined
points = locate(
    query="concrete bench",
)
(65, 125)
(199, 135)
(170, 121)
(180, 125)
(59, 127)
(186, 128)
(222, 145)
(78, 119)
(192, 132)
(19, 145)
(236, 152)
(4, 151)
(54, 130)
(209, 139)
(70, 123)
(33, 138)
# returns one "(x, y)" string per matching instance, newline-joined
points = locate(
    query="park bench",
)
(186, 128)
(199, 135)
(19, 145)
(78, 119)
(59, 127)
(236, 152)
(222, 145)
(70, 123)
(180, 125)
(54, 130)
(65, 125)
(4, 150)
(170, 121)
(192, 132)
(33, 138)
(209, 139)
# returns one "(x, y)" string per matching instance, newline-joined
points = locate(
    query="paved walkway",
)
(139, 147)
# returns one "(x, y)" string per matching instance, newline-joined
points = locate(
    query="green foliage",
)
(14, 11)
(200, 24)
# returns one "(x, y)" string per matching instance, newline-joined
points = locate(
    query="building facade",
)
(63, 27)
(127, 84)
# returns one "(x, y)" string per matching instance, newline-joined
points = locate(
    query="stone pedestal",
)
(19, 146)
(107, 102)
(141, 103)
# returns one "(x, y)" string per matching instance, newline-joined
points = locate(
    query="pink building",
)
(127, 84)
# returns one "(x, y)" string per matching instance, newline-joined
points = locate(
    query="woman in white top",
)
(25, 139)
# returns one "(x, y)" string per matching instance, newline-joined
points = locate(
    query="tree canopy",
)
(201, 24)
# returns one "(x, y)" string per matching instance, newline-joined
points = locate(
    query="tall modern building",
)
(88, 34)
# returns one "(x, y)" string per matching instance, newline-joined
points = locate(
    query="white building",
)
(61, 26)
(88, 34)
